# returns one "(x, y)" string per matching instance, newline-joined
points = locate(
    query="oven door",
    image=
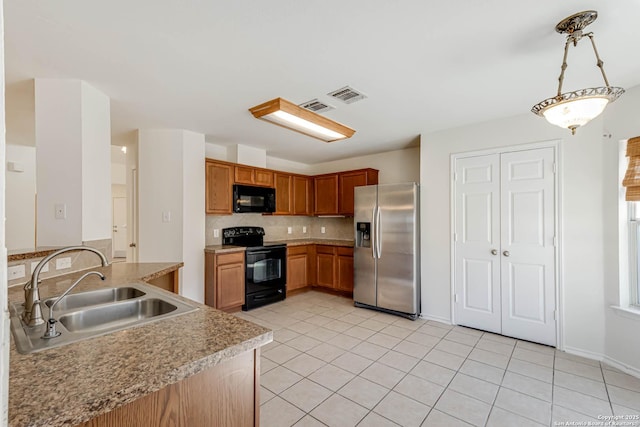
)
(266, 269)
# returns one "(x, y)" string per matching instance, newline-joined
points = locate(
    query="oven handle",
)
(258, 252)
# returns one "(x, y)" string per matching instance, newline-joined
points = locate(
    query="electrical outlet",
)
(62, 263)
(216, 232)
(304, 230)
(289, 230)
(323, 230)
(15, 272)
(45, 267)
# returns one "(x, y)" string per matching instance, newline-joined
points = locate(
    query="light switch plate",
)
(323, 230)
(15, 272)
(166, 216)
(61, 211)
(289, 230)
(62, 263)
(216, 232)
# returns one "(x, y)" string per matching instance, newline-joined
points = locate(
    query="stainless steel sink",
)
(94, 313)
(108, 316)
(100, 296)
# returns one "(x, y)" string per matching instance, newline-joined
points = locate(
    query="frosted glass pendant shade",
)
(575, 113)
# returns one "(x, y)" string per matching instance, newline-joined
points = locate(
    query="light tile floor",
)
(332, 364)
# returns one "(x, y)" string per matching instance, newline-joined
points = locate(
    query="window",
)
(634, 252)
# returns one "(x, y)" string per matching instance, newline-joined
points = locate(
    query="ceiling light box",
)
(287, 114)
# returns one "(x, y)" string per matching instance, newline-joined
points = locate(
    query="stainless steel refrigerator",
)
(387, 248)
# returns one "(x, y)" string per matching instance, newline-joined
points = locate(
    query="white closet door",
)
(477, 234)
(504, 244)
(527, 245)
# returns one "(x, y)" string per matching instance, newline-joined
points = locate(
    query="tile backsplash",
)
(276, 227)
(80, 260)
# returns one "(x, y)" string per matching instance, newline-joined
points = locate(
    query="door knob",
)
(494, 252)
(506, 253)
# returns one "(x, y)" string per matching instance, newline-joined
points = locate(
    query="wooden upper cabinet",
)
(248, 175)
(325, 194)
(284, 196)
(219, 180)
(350, 180)
(301, 192)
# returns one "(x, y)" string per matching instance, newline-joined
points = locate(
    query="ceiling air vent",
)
(316, 106)
(347, 94)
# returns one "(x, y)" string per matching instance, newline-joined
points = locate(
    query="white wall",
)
(246, 155)
(160, 191)
(96, 164)
(59, 160)
(394, 166)
(20, 213)
(589, 220)
(621, 121)
(193, 227)
(4, 313)
(171, 180)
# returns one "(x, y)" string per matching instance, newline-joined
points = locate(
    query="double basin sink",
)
(93, 313)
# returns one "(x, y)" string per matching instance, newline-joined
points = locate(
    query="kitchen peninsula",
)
(200, 368)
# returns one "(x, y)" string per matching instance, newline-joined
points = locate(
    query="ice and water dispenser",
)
(363, 235)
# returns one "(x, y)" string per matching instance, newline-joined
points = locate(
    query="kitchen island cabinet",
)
(175, 371)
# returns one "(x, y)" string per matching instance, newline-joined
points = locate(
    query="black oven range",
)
(265, 265)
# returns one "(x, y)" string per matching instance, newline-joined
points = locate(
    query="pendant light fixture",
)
(287, 114)
(571, 110)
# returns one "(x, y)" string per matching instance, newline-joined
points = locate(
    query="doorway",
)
(119, 228)
(505, 242)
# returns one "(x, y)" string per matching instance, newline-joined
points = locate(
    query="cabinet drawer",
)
(344, 251)
(297, 250)
(324, 249)
(230, 258)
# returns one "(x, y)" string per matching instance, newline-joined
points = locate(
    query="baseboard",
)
(436, 319)
(606, 359)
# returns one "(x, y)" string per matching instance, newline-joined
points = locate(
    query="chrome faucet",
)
(51, 323)
(32, 311)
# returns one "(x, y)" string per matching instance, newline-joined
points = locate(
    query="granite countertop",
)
(72, 384)
(218, 249)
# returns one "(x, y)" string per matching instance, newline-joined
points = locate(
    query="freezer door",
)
(397, 233)
(364, 263)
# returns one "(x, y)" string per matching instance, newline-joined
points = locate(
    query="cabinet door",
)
(325, 266)
(230, 286)
(325, 195)
(283, 194)
(219, 178)
(297, 271)
(243, 175)
(301, 195)
(345, 269)
(348, 181)
(263, 178)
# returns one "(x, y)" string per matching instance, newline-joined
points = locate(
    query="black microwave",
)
(247, 199)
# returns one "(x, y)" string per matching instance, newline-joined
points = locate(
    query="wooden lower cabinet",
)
(169, 282)
(344, 269)
(298, 269)
(325, 266)
(224, 395)
(224, 281)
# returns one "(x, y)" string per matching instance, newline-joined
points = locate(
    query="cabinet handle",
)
(494, 252)
(506, 253)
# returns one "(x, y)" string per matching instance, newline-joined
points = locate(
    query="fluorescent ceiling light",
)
(287, 114)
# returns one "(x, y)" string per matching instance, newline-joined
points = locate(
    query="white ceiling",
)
(424, 65)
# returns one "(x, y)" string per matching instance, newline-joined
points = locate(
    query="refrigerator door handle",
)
(373, 233)
(378, 242)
